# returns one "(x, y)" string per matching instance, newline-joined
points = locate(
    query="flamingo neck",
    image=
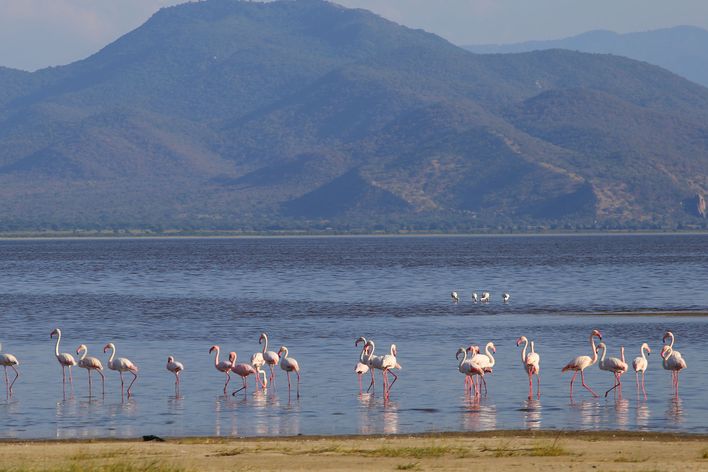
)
(113, 353)
(644, 346)
(363, 356)
(84, 351)
(594, 349)
(285, 353)
(671, 336)
(489, 354)
(622, 354)
(604, 352)
(464, 357)
(56, 346)
(216, 357)
(393, 347)
(532, 349)
(373, 347)
(265, 344)
(523, 351)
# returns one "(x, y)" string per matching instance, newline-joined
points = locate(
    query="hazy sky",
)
(38, 33)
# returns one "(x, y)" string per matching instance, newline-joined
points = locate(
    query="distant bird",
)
(640, 364)
(271, 357)
(475, 298)
(486, 297)
(506, 297)
(362, 367)
(176, 368)
(612, 364)
(223, 366)
(243, 370)
(455, 297)
(288, 364)
(531, 363)
(8, 360)
(580, 363)
(91, 363)
(468, 368)
(65, 359)
(121, 365)
(673, 362)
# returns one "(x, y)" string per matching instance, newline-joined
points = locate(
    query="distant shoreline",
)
(127, 234)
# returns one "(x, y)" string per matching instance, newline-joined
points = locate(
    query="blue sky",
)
(39, 33)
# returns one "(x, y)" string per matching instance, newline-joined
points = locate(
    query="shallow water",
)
(316, 295)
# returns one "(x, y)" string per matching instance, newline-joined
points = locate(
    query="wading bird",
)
(485, 361)
(362, 367)
(8, 360)
(223, 366)
(271, 357)
(475, 297)
(612, 364)
(243, 370)
(580, 363)
(65, 359)
(176, 368)
(640, 364)
(674, 362)
(455, 297)
(506, 297)
(532, 365)
(121, 365)
(288, 364)
(486, 297)
(468, 368)
(91, 363)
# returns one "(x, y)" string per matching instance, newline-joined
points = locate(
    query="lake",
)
(160, 297)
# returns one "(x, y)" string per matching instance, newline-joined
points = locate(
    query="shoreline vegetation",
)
(551, 450)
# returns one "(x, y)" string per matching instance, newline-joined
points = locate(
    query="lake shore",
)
(550, 450)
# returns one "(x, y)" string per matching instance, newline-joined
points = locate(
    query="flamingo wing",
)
(579, 363)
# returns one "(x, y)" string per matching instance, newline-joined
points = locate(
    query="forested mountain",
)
(303, 114)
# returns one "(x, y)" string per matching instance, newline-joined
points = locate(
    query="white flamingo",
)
(362, 367)
(121, 365)
(532, 365)
(176, 368)
(8, 360)
(223, 366)
(91, 363)
(486, 297)
(455, 297)
(612, 364)
(65, 359)
(468, 368)
(485, 361)
(506, 297)
(372, 360)
(640, 364)
(580, 363)
(288, 364)
(271, 357)
(674, 362)
(475, 297)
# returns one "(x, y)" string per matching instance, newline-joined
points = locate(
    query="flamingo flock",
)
(472, 363)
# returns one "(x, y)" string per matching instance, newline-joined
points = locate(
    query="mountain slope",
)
(681, 49)
(301, 114)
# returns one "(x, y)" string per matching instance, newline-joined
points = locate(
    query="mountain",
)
(226, 114)
(681, 49)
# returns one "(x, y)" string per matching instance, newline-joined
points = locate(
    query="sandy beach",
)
(511, 450)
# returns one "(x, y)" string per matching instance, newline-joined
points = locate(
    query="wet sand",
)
(503, 450)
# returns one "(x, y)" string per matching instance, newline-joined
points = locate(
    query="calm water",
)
(316, 295)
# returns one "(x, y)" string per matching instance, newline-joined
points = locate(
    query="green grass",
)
(549, 450)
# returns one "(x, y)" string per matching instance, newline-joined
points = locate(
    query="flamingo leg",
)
(71, 378)
(361, 388)
(135, 377)
(89, 381)
(484, 382)
(538, 385)
(530, 385)
(272, 373)
(372, 381)
(582, 378)
(63, 374)
(395, 377)
(617, 384)
(643, 388)
(571, 382)
(121, 382)
(228, 379)
(7, 382)
(103, 382)
(288, 373)
(298, 383)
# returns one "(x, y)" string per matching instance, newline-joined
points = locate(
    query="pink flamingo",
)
(612, 364)
(362, 367)
(91, 363)
(65, 359)
(372, 360)
(485, 361)
(640, 364)
(271, 358)
(674, 362)
(121, 365)
(244, 370)
(8, 360)
(383, 363)
(580, 363)
(176, 368)
(468, 368)
(532, 365)
(223, 366)
(288, 364)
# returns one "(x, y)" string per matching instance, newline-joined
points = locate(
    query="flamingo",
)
(674, 362)
(389, 362)
(531, 363)
(258, 361)
(288, 364)
(91, 363)
(640, 364)
(243, 370)
(372, 360)
(271, 357)
(176, 368)
(468, 368)
(65, 359)
(455, 297)
(580, 363)
(612, 364)
(8, 360)
(121, 365)
(486, 296)
(669, 334)
(506, 297)
(485, 361)
(475, 298)
(223, 366)
(362, 367)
